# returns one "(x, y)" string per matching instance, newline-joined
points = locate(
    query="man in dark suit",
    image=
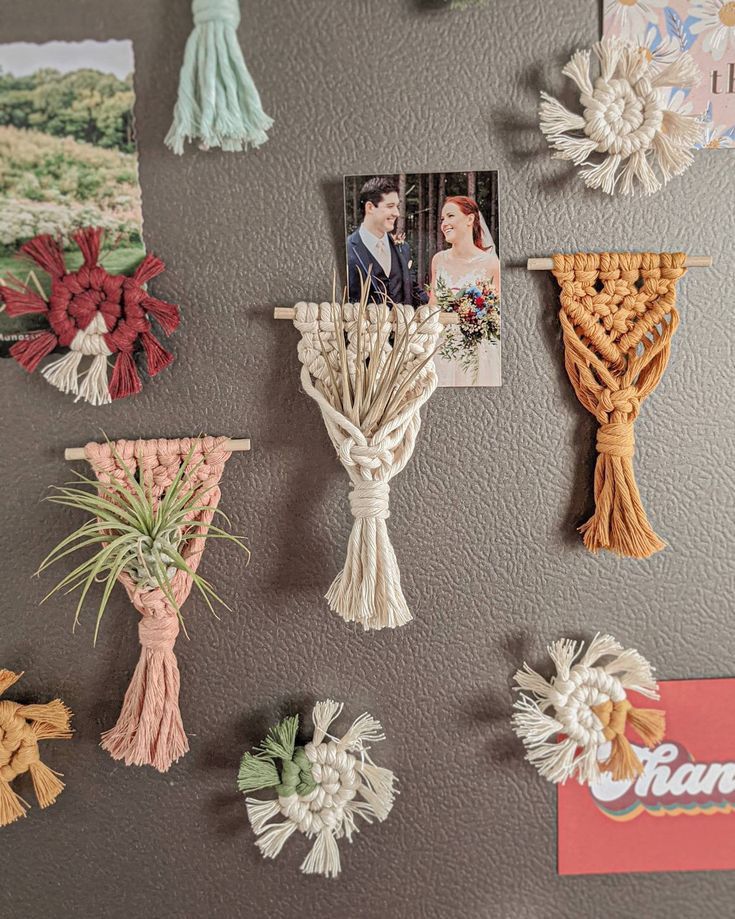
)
(371, 249)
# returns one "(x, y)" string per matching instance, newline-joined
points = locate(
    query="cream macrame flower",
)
(322, 787)
(627, 127)
(567, 721)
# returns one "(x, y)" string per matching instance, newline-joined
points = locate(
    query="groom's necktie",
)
(383, 255)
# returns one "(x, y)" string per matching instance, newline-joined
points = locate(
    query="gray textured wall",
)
(483, 518)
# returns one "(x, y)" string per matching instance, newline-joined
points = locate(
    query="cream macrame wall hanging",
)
(21, 728)
(618, 316)
(150, 513)
(369, 369)
(573, 725)
(323, 787)
(630, 136)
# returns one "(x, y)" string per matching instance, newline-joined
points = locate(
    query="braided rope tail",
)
(21, 728)
(617, 344)
(150, 730)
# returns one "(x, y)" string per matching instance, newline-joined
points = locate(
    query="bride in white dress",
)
(470, 259)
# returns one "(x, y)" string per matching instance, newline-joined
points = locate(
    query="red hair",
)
(469, 206)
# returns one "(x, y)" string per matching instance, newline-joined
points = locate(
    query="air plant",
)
(370, 372)
(132, 533)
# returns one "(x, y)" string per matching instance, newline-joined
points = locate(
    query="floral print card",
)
(704, 28)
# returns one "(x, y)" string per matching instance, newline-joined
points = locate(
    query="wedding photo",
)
(432, 238)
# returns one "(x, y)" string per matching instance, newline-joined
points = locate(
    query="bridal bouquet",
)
(478, 308)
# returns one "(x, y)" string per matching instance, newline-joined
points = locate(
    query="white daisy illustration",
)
(629, 18)
(716, 25)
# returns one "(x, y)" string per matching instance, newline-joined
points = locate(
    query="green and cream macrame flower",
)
(322, 787)
(628, 137)
(573, 725)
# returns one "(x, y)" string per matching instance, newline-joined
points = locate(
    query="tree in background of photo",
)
(422, 196)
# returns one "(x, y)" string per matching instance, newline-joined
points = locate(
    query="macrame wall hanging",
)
(91, 314)
(369, 369)
(218, 103)
(323, 787)
(150, 511)
(618, 317)
(21, 728)
(567, 722)
(629, 124)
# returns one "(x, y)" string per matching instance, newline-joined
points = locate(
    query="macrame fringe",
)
(149, 731)
(12, 806)
(125, 378)
(31, 351)
(218, 102)
(368, 588)
(563, 730)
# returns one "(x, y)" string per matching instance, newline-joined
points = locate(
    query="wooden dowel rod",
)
(288, 312)
(234, 446)
(692, 261)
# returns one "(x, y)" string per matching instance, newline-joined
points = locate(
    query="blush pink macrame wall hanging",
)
(91, 314)
(149, 730)
(150, 508)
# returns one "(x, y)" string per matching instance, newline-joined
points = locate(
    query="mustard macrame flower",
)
(628, 138)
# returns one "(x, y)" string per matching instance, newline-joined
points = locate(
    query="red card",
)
(680, 814)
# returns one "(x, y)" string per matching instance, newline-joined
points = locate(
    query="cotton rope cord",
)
(93, 314)
(322, 787)
(218, 102)
(573, 725)
(618, 317)
(368, 588)
(149, 730)
(630, 123)
(21, 728)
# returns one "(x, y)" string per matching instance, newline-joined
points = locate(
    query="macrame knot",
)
(18, 748)
(158, 633)
(370, 498)
(613, 716)
(616, 438)
(620, 400)
(216, 11)
(367, 456)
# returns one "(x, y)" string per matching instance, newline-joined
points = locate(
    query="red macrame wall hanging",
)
(91, 314)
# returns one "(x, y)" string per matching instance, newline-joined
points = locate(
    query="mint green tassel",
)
(218, 102)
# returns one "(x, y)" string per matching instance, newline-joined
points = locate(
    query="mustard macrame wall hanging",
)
(618, 316)
(369, 369)
(150, 512)
(21, 728)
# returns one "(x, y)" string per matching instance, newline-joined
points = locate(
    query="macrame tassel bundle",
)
(149, 730)
(21, 727)
(565, 721)
(91, 314)
(322, 787)
(618, 316)
(218, 102)
(369, 373)
(628, 126)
